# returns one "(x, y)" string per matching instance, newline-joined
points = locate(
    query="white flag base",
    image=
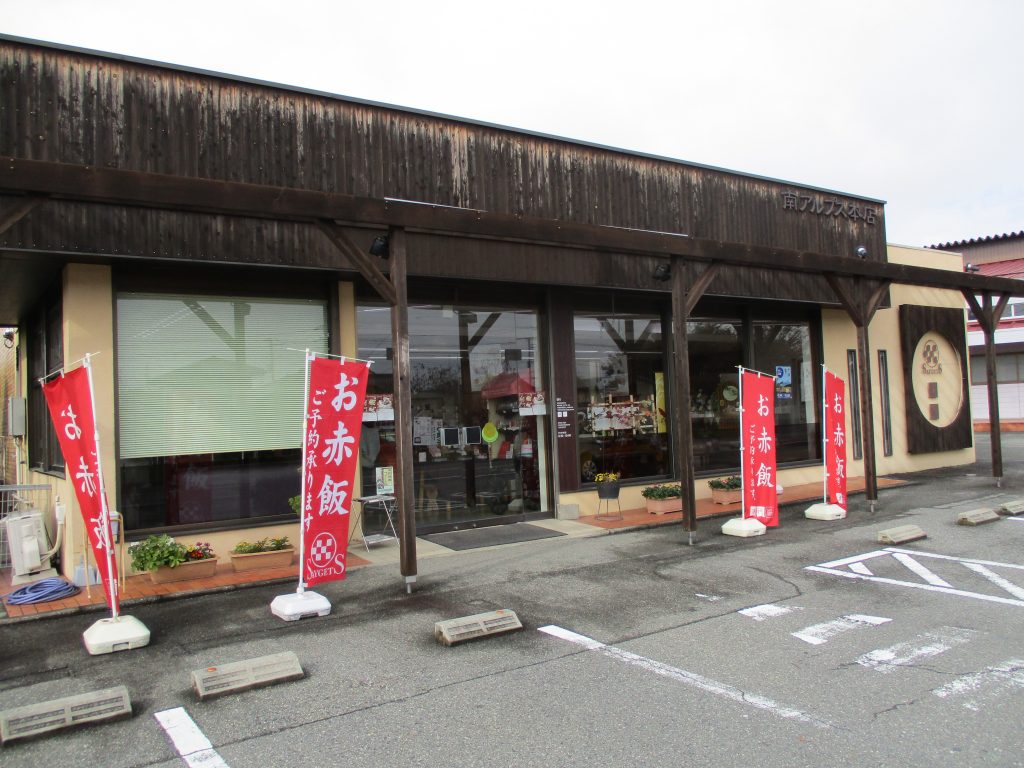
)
(744, 526)
(823, 511)
(125, 633)
(297, 605)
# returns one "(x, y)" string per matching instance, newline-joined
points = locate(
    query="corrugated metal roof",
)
(952, 246)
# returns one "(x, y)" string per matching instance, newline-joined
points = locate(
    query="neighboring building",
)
(998, 256)
(197, 230)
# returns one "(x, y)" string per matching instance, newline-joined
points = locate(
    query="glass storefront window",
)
(718, 345)
(715, 352)
(479, 412)
(622, 413)
(784, 348)
(210, 405)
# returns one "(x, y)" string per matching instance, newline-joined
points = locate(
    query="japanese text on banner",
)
(334, 413)
(835, 439)
(69, 400)
(760, 498)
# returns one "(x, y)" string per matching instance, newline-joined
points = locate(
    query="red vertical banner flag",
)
(69, 399)
(835, 440)
(334, 418)
(760, 497)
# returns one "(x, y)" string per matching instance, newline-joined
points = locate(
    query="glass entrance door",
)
(479, 412)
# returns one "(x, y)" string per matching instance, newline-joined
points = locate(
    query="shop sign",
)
(757, 425)
(937, 379)
(334, 411)
(69, 399)
(820, 205)
(835, 439)
(385, 480)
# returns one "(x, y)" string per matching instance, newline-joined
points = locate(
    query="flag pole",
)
(302, 498)
(112, 590)
(294, 606)
(824, 434)
(118, 633)
(743, 451)
(825, 510)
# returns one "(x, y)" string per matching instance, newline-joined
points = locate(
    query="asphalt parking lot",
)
(812, 645)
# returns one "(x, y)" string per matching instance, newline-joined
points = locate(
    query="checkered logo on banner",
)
(323, 550)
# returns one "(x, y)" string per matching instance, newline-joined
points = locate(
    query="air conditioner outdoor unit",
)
(26, 537)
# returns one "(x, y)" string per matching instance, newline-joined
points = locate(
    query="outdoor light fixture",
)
(862, 252)
(379, 246)
(662, 272)
(972, 268)
(9, 338)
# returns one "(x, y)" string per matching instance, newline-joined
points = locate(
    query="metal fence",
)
(19, 498)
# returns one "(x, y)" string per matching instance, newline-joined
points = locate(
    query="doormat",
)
(491, 536)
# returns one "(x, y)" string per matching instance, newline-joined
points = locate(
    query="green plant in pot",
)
(263, 545)
(666, 491)
(266, 553)
(667, 497)
(726, 490)
(170, 560)
(607, 485)
(731, 483)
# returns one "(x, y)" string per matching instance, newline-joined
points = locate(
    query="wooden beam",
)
(20, 210)
(988, 316)
(404, 492)
(699, 285)
(66, 181)
(361, 261)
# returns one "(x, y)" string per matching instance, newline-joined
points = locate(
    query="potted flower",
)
(265, 553)
(607, 485)
(663, 498)
(169, 560)
(726, 490)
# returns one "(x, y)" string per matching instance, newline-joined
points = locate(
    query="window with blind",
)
(210, 404)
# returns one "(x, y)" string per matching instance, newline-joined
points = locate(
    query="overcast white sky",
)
(916, 102)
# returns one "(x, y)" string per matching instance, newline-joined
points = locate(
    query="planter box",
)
(608, 490)
(279, 558)
(194, 569)
(721, 496)
(664, 506)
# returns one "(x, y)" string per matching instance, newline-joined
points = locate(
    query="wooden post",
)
(988, 318)
(683, 301)
(403, 409)
(867, 415)
(860, 298)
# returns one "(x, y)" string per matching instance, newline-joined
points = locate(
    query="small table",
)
(386, 503)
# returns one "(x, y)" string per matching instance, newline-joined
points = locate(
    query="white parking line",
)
(920, 570)
(853, 568)
(820, 633)
(193, 746)
(767, 611)
(905, 654)
(682, 676)
(1009, 674)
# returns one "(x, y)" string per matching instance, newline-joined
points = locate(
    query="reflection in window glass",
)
(622, 414)
(784, 349)
(479, 412)
(715, 352)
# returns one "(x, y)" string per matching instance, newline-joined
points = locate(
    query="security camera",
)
(862, 251)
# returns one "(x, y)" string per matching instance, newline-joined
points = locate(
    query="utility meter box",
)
(16, 416)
